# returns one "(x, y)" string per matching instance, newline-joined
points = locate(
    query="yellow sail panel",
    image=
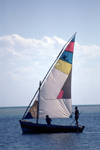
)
(63, 66)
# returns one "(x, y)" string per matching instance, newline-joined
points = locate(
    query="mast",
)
(47, 74)
(38, 103)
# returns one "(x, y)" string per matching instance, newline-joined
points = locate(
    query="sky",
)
(32, 33)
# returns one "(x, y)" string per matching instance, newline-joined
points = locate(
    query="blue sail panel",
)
(67, 57)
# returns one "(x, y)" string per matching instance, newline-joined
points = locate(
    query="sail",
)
(55, 94)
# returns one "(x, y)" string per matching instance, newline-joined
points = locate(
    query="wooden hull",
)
(29, 127)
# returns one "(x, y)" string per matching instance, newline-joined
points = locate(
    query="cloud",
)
(15, 45)
(23, 62)
(21, 53)
(86, 56)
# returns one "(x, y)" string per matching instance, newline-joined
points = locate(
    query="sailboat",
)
(53, 97)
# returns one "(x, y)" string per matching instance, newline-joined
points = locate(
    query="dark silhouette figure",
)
(48, 120)
(76, 115)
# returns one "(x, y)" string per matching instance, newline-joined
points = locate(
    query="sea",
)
(12, 138)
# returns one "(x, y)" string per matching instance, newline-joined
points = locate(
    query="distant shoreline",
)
(72, 106)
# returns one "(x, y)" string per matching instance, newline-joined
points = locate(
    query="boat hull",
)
(29, 127)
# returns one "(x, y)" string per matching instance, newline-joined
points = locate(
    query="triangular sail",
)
(55, 94)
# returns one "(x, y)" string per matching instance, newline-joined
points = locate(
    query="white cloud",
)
(14, 46)
(23, 62)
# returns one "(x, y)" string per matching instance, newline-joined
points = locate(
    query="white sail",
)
(48, 103)
(55, 94)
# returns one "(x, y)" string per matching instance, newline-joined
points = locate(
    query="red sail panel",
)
(60, 94)
(70, 47)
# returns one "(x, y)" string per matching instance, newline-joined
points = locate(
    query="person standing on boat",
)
(48, 120)
(76, 115)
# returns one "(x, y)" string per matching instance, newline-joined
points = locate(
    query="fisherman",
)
(48, 120)
(76, 115)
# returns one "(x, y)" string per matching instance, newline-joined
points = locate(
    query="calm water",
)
(11, 137)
